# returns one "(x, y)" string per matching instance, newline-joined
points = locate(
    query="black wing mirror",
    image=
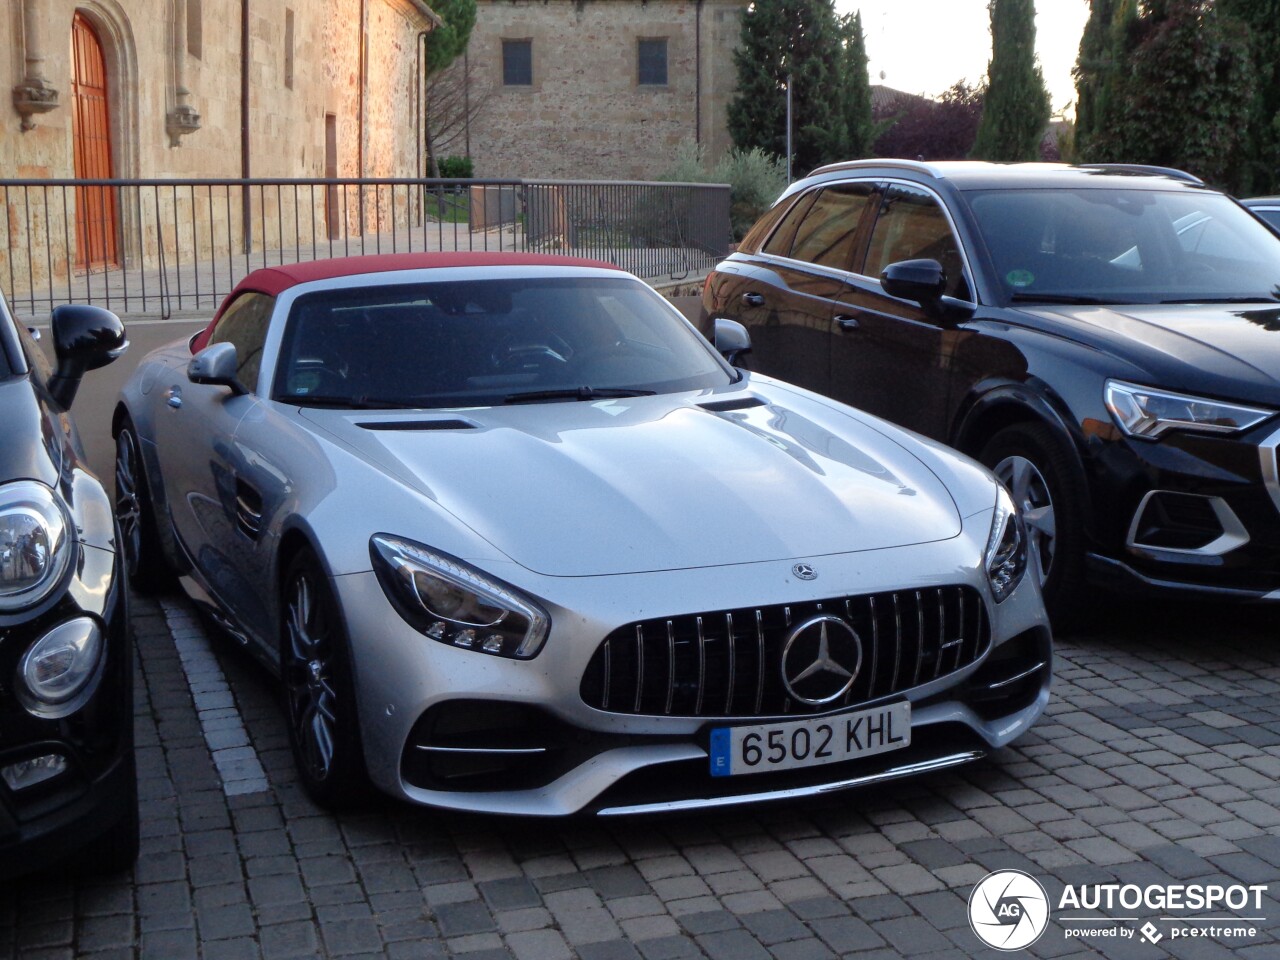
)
(84, 338)
(217, 365)
(923, 281)
(732, 339)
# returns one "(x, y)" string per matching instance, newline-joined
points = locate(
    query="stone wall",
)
(585, 115)
(154, 50)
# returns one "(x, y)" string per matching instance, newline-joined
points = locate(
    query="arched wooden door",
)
(91, 138)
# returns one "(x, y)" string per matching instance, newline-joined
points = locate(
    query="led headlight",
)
(1147, 413)
(1006, 557)
(453, 603)
(35, 546)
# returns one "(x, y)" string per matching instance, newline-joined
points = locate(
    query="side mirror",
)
(732, 339)
(84, 338)
(923, 281)
(217, 365)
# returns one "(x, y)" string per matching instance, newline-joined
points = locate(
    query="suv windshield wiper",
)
(1058, 298)
(576, 393)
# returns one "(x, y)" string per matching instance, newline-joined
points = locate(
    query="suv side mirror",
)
(732, 339)
(85, 338)
(217, 365)
(923, 281)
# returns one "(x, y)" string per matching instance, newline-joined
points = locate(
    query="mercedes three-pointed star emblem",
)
(821, 659)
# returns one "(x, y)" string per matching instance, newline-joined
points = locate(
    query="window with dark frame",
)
(517, 63)
(651, 61)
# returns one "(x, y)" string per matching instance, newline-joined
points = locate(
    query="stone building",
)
(585, 89)
(200, 89)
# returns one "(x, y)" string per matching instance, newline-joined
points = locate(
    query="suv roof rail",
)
(1143, 169)
(918, 165)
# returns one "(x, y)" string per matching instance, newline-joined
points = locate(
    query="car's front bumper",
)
(48, 822)
(587, 759)
(1195, 514)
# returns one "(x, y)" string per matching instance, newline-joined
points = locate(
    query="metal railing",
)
(159, 247)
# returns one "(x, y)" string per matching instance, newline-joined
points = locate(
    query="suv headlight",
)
(34, 544)
(449, 601)
(1149, 414)
(1006, 557)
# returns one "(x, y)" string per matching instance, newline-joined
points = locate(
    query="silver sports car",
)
(517, 539)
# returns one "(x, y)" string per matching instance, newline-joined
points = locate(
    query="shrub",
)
(456, 168)
(755, 179)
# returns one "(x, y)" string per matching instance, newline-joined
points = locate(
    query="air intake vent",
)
(416, 425)
(726, 663)
(738, 403)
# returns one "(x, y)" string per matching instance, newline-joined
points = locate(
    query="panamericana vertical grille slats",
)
(728, 662)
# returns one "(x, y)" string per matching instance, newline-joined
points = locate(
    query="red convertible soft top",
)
(274, 280)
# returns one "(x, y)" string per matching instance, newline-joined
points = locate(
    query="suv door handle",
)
(753, 299)
(846, 321)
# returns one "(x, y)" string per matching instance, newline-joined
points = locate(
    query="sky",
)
(924, 46)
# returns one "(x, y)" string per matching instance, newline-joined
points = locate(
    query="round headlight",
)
(34, 543)
(60, 665)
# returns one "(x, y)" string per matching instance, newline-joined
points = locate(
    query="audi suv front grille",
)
(728, 663)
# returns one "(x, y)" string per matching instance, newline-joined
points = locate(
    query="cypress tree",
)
(860, 129)
(800, 38)
(1100, 67)
(1016, 110)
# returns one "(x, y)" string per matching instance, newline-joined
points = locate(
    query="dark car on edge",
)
(1106, 339)
(67, 779)
(1267, 209)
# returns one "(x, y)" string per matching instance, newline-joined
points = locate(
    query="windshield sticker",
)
(1020, 278)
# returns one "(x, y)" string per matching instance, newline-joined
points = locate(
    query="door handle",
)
(753, 299)
(846, 321)
(174, 397)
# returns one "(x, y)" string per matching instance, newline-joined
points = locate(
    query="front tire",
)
(144, 559)
(315, 667)
(1039, 473)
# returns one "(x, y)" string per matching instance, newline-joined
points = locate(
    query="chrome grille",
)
(728, 662)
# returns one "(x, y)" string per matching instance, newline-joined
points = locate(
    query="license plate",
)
(810, 742)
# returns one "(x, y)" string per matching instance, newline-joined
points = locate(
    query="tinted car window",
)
(913, 226)
(244, 323)
(1269, 214)
(37, 361)
(780, 242)
(826, 234)
(457, 343)
(6, 327)
(1126, 246)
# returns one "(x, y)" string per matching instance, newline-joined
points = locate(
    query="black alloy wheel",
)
(1032, 464)
(315, 666)
(139, 541)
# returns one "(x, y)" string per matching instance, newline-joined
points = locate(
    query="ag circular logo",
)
(1008, 910)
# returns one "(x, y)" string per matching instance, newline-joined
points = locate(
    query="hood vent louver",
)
(417, 425)
(737, 403)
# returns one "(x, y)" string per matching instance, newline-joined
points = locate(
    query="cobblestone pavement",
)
(1158, 763)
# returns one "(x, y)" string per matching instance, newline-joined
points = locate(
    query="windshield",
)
(1126, 246)
(484, 342)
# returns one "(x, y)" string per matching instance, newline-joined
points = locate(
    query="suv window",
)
(826, 234)
(913, 226)
(780, 243)
(244, 323)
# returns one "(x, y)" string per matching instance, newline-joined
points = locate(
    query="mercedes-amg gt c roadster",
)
(517, 539)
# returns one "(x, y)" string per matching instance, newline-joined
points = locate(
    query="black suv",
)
(67, 783)
(1106, 339)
